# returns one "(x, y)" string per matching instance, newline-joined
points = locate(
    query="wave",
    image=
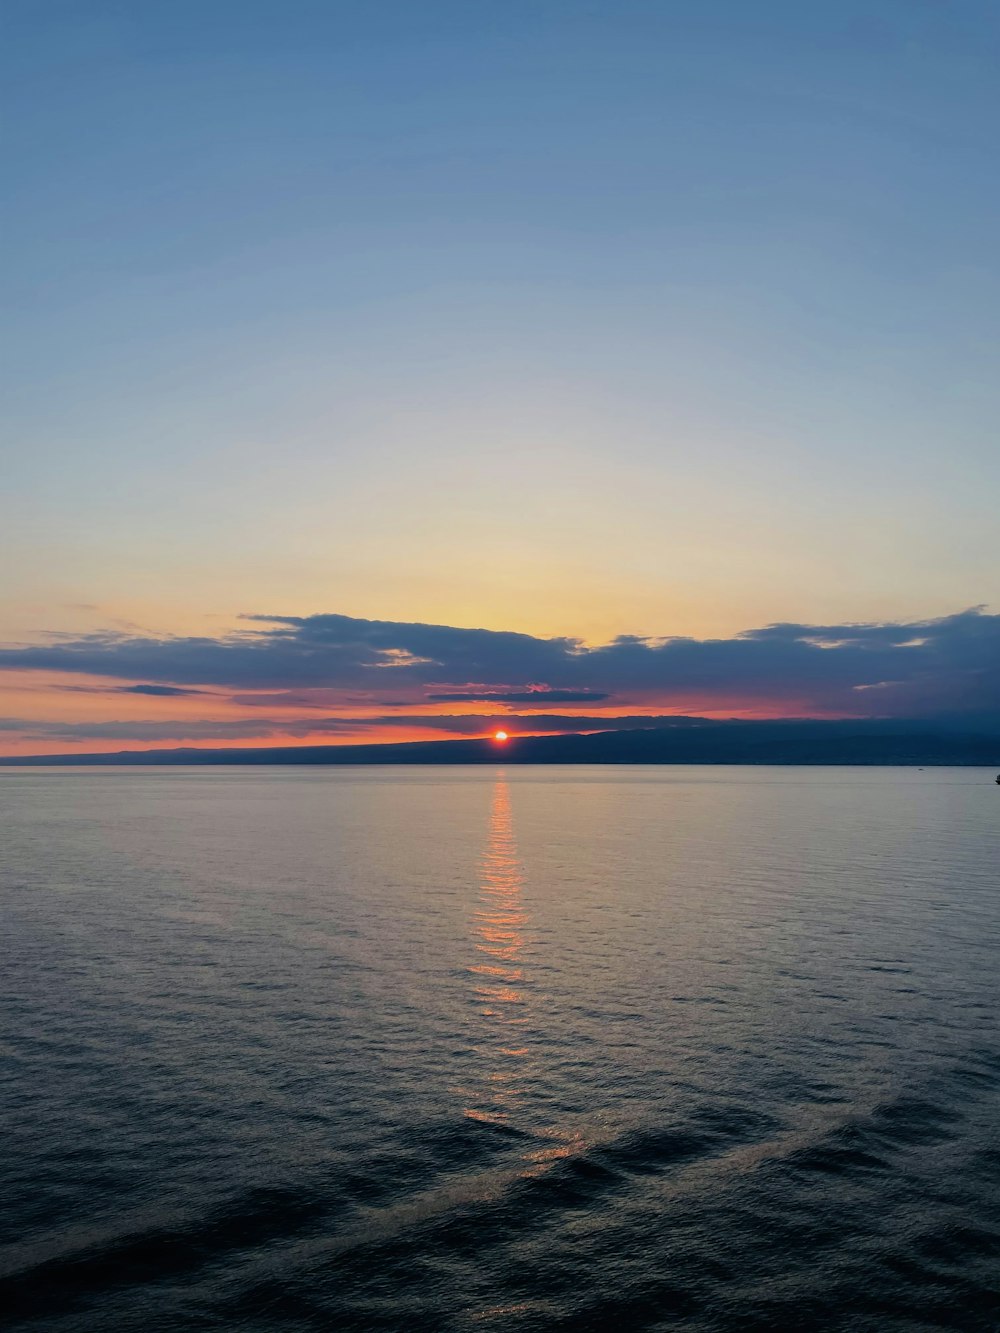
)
(814, 1201)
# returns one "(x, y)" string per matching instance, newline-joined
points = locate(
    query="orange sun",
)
(499, 735)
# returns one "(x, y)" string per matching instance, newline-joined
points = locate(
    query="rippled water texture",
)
(457, 1049)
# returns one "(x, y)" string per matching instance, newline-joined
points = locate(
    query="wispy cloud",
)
(537, 698)
(152, 691)
(201, 729)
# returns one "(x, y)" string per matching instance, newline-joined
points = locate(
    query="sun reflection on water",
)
(509, 1089)
(499, 924)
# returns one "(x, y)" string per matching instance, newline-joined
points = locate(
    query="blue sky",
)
(573, 319)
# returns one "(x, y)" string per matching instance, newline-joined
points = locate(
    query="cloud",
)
(127, 730)
(158, 691)
(537, 698)
(312, 651)
(480, 724)
(154, 691)
(201, 729)
(918, 668)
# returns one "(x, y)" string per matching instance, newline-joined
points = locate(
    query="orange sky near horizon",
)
(53, 698)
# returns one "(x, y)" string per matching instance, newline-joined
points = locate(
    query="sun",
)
(499, 735)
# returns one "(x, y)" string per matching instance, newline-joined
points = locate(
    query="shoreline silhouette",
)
(685, 741)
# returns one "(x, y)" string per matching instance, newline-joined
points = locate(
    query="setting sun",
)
(500, 736)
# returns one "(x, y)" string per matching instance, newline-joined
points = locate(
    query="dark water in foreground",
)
(450, 1049)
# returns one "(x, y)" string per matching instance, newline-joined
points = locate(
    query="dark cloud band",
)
(913, 669)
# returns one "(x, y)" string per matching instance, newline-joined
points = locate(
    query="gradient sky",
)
(671, 319)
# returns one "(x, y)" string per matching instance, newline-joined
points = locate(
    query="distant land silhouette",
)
(965, 742)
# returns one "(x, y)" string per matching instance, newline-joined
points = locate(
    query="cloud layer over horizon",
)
(331, 675)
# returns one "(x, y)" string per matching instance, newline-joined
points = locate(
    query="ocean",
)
(500, 1049)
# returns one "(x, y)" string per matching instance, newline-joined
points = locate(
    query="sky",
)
(380, 370)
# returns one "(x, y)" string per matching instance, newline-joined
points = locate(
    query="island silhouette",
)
(959, 742)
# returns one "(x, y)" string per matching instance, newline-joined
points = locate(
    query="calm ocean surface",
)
(465, 1048)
